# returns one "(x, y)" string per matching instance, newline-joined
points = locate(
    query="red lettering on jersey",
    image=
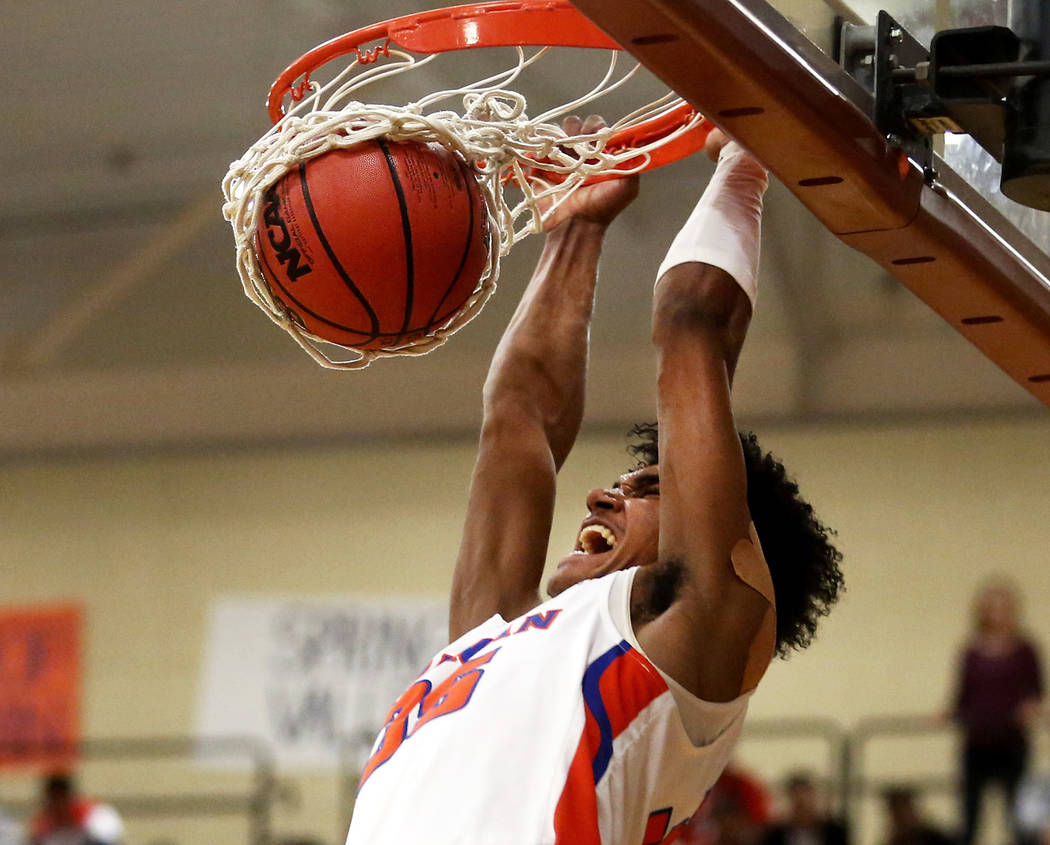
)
(542, 621)
(395, 731)
(452, 694)
(656, 832)
(656, 827)
(539, 621)
(423, 704)
(676, 832)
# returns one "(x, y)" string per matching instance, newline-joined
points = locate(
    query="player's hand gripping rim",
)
(601, 202)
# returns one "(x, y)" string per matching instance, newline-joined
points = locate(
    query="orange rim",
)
(508, 23)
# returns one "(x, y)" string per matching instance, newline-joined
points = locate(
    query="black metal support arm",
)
(995, 70)
(990, 82)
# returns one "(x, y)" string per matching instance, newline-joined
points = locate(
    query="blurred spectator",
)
(998, 691)
(906, 824)
(735, 812)
(806, 822)
(70, 819)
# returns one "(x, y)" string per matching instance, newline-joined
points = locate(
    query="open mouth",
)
(595, 539)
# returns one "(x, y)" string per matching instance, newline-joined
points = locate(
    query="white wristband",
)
(725, 227)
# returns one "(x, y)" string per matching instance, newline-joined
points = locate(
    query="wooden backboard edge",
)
(746, 67)
(749, 70)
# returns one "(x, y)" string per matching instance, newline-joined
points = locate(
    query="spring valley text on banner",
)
(313, 678)
(39, 685)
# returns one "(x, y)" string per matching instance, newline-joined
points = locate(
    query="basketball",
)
(375, 245)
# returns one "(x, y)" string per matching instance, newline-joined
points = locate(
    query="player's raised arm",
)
(720, 596)
(533, 405)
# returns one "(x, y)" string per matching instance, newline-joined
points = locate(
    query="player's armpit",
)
(750, 569)
(717, 643)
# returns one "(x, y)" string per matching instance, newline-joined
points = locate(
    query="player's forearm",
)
(539, 370)
(708, 283)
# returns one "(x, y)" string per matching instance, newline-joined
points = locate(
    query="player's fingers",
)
(715, 141)
(630, 185)
(572, 125)
(593, 123)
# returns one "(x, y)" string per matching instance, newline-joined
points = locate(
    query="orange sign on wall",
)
(39, 685)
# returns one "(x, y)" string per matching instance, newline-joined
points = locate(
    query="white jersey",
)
(552, 729)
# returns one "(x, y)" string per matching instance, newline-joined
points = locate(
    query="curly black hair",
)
(802, 561)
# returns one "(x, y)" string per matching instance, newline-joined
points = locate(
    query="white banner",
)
(305, 675)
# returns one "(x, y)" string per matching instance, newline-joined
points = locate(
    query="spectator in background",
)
(735, 812)
(70, 819)
(806, 821)
(906, 824)
(998, 692)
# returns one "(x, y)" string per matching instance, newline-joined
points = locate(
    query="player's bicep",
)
(508, 523)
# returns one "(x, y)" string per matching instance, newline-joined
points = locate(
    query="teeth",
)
(596, 538)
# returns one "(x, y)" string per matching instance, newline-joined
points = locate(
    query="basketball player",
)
(604, 714)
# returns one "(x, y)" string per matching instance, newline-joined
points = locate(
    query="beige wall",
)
(924, 512)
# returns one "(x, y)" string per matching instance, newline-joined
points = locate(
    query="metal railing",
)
(845, 757)
(254, 804)
(834, 737)
(875, 728)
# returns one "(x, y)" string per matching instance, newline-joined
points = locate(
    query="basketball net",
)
(485, 123)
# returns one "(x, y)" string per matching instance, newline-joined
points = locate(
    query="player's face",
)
(622, 529)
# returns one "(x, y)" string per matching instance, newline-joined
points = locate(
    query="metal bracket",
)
(871, 55)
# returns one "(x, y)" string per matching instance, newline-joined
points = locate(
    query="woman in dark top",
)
(997, 697)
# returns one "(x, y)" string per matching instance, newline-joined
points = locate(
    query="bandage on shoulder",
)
(750, 566)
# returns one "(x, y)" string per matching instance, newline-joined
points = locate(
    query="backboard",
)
(765, 71)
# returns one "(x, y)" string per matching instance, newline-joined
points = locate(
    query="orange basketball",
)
(374, 245)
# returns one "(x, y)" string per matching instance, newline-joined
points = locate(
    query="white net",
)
(525, 166)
